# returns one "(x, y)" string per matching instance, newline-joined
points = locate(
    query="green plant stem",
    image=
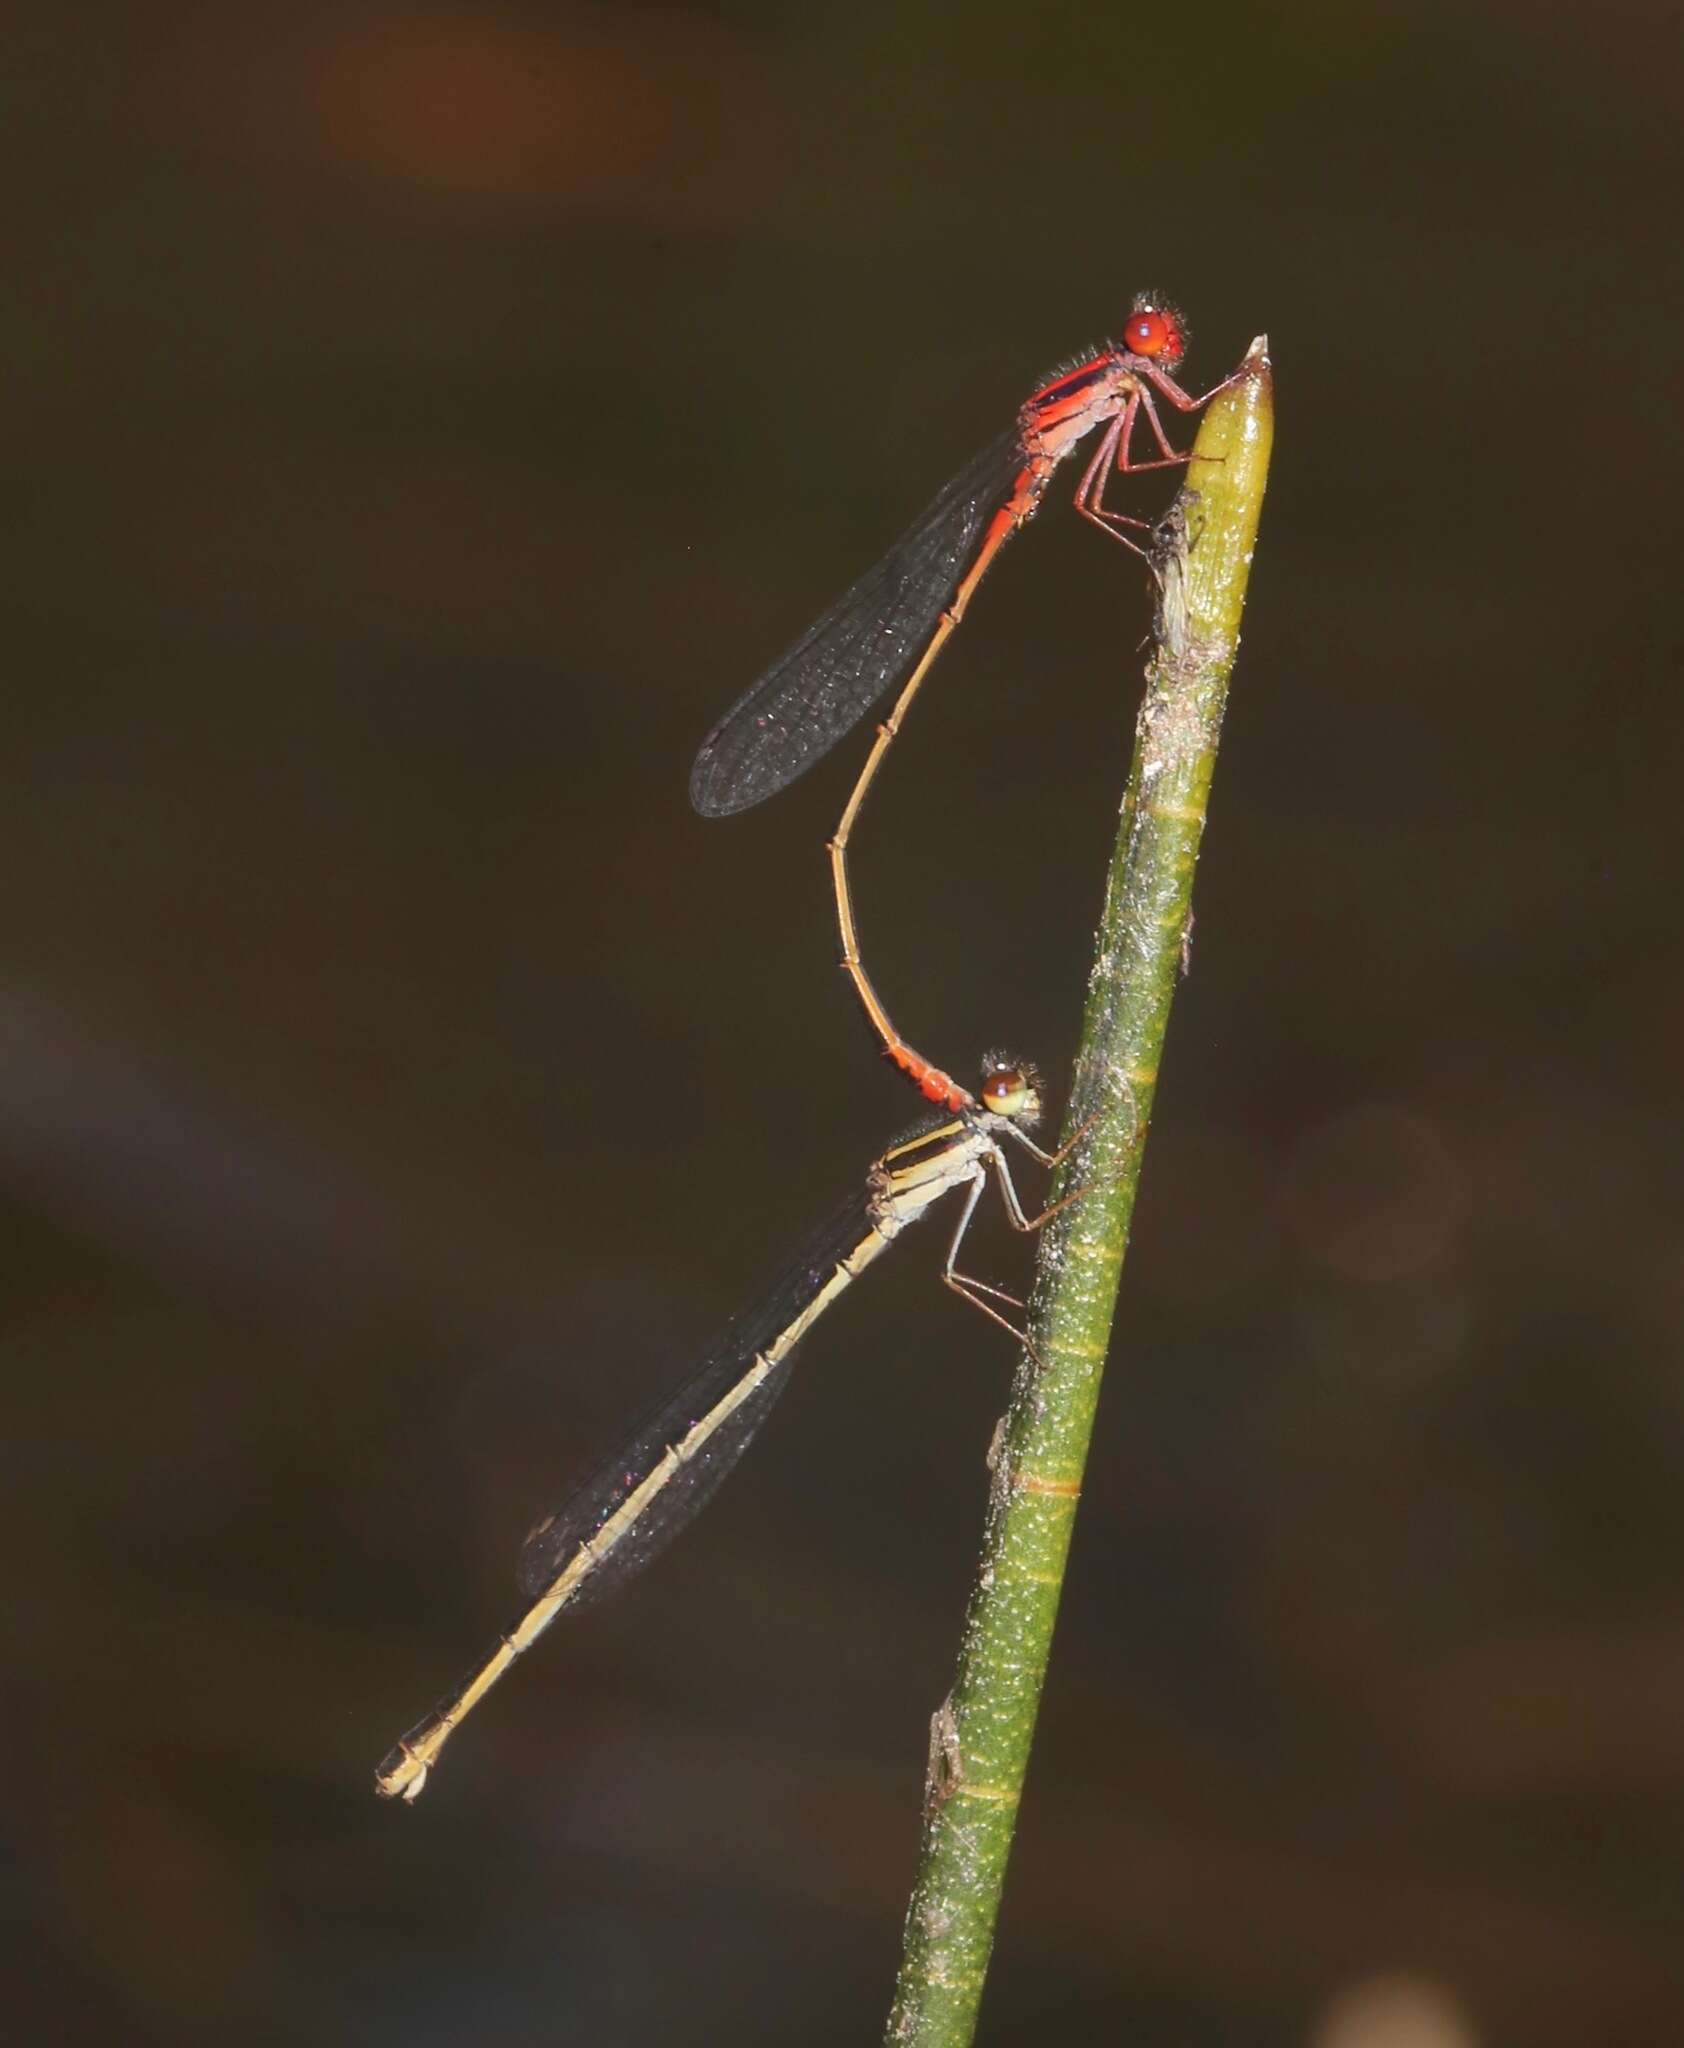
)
(981, 1736)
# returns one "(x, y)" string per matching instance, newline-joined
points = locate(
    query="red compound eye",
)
(1155, 333)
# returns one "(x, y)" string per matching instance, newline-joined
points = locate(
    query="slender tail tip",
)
(401, 1776)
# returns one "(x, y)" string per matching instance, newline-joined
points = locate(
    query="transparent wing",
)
(865, 644)
(557, 1540)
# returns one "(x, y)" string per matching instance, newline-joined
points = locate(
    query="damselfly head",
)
(1010, 1088)
(1155, 330)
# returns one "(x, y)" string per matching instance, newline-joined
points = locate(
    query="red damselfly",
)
(896, 619)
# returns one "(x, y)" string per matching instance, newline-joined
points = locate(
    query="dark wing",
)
(864, 645)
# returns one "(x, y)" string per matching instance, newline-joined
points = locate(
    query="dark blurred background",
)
(420, 421)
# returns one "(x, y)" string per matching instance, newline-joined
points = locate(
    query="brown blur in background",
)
(420, 421)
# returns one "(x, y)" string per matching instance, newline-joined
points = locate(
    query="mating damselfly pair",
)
(887, 630)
